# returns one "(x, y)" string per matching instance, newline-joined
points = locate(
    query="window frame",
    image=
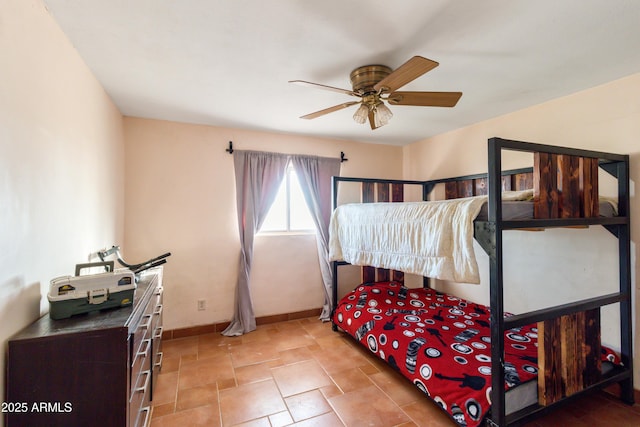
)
(288, 231)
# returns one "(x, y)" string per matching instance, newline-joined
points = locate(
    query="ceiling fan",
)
(374, 84)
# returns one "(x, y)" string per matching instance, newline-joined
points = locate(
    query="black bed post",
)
(334, 292)
(334, 264)
(498, 412)
(624, 248)
(427, 188)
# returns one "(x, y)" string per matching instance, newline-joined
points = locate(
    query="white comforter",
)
(433, 239)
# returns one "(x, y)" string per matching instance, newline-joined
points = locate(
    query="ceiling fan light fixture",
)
(361, 114)
(382, 114)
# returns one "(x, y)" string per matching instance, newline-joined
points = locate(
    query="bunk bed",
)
(560, 345)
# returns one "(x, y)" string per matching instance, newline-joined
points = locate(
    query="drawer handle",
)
(159, 291)
(146, 324)
(158, 310)
(143, 389)
(158, 364)
(147, 411)
(146, 344)
(158, 333)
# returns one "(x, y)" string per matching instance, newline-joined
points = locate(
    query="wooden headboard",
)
(563, 186)
(477, 186)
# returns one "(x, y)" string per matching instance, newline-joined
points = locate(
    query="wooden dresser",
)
(96, 369)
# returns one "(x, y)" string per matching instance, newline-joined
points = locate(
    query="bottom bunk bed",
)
(478, 362)
(442, 344)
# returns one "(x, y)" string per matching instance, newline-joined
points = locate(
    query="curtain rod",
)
(342, 155)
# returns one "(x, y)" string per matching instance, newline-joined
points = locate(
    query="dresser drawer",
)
(156, 323)
(140, 398)
(142, 361)
(142, 331)
(141, 349)
(144, 417)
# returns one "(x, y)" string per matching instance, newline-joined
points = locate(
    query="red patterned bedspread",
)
(439, 342)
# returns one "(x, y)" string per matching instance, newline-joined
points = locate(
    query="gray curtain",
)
(258, 177)
(314, 174)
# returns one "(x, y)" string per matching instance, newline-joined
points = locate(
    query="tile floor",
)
(301, 373)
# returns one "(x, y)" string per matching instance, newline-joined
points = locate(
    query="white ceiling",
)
(228, 62)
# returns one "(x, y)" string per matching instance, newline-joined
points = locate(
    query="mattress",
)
(431, 238)
(523, 210)
(442, 344)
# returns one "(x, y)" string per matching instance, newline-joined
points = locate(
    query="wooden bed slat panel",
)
(592, 342)
(569, 357)
(549, 362)
(368, 192)
(382, 190)
(589, 187)
(458, 189)
(545, 185)
(383, 275)
(398, 276)
(465, 188)
(565, 186)
(569, 186)
(397, 192)
(522, 181)
(571, 337)
(478, 186)
(368, 274)
(451, 190)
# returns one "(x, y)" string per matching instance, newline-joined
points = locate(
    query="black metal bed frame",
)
(489, 236)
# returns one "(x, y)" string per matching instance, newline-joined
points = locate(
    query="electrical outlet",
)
(202, 304)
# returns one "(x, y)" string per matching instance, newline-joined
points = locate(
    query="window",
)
(289, 211)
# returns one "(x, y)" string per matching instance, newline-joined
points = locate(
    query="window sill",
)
(286, 233)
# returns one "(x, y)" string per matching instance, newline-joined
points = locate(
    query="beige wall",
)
(61, 163)
(581, 262)
(180, 198)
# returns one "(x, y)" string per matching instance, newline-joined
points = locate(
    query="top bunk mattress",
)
(514, 210)
(432, 239)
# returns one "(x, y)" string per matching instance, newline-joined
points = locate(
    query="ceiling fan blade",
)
(407, 72)
(325, 87)
(425, 99)
(329, 110)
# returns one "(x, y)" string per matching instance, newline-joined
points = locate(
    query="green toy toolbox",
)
(71, 295)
